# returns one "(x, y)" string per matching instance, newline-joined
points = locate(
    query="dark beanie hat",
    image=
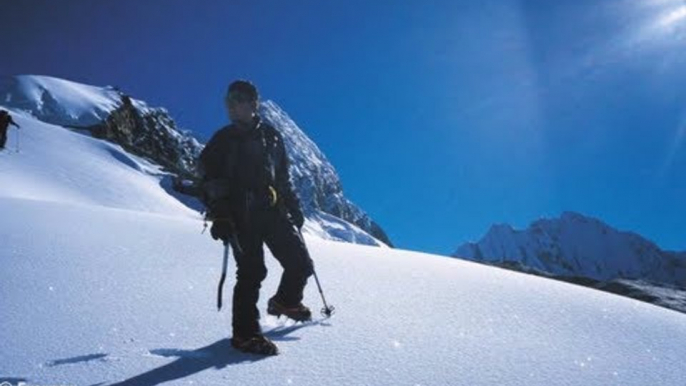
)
(243, 87)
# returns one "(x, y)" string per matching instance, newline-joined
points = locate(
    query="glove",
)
(297, 218)
(221, 230)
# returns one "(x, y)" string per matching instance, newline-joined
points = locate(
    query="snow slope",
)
(56, 164)
(107, 280)
(125, 296)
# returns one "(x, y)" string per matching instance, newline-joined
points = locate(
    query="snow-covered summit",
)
(59, 101)
(319, 187)
(578, 245)
(106, 113)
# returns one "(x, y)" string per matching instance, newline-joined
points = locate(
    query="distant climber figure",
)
(5, 122)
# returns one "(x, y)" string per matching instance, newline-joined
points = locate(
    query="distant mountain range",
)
(586, 251)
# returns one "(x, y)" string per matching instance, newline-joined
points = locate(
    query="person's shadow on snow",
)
(218, 355)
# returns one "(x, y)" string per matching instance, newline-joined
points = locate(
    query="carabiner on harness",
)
(273, 197)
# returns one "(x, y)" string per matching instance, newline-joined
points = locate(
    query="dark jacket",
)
(238, 165)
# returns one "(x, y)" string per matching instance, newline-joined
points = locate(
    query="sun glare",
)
(665, 23)
(673, 17)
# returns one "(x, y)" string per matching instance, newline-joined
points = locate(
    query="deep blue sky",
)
(442, 117)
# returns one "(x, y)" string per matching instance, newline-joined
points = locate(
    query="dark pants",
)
(272, 227)
(3, 140)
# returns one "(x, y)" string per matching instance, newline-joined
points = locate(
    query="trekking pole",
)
(16, 141)
(328, 310)
(237, 249)
(220, 290)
